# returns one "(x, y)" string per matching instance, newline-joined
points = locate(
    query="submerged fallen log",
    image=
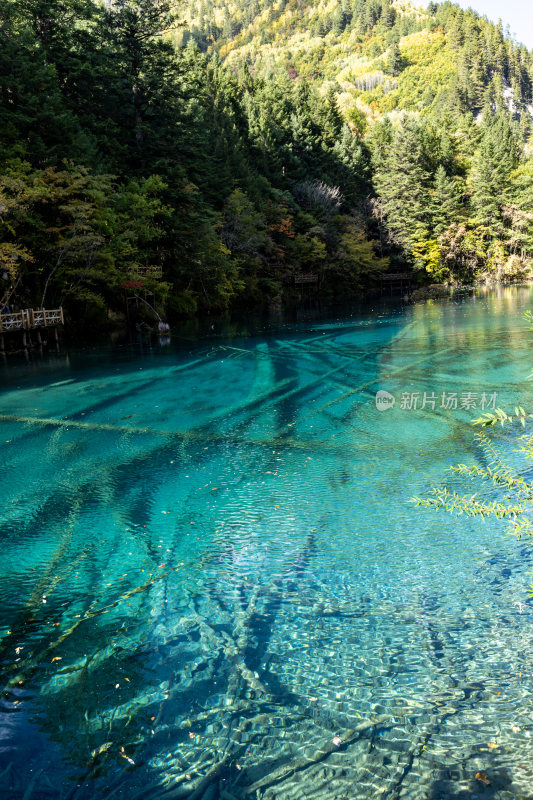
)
(198, 788)
(29, 666)
(331, 746)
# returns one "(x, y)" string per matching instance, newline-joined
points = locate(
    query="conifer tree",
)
(403, 182)
(445, 201)
(493, 162)
(394, 60)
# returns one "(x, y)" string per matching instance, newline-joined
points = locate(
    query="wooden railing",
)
(149, 271)
(305, 277)
(31, 318)
(389, 277)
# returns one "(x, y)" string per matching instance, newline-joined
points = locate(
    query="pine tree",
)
(142, 90)
(445, 202)
(394, 60)
(329, 118)
(403, 183)
(520, 211)
(492, 165)
(388, 14)
(37, 122)
(476, 89)
(454, 33)
(351, 167)
(337, 22)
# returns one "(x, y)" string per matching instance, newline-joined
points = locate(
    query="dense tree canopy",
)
(203, 154)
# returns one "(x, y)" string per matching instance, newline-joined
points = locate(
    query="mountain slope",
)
(441, 97)
(383, 55)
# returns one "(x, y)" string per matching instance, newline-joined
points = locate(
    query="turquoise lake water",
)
(214, 583)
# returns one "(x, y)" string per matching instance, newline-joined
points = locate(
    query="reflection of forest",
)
(484, 353)
(475, 321)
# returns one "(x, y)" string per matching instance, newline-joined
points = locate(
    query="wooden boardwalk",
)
(392, 282)
(305, 277)
(30, 319)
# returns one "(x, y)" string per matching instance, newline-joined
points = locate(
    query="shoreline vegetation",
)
(190, 160)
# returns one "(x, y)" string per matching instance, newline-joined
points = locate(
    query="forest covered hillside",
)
(203, 154)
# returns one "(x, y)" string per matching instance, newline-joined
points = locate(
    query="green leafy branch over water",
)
(516, 505)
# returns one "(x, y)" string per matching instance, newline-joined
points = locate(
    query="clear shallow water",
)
(214, 584)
